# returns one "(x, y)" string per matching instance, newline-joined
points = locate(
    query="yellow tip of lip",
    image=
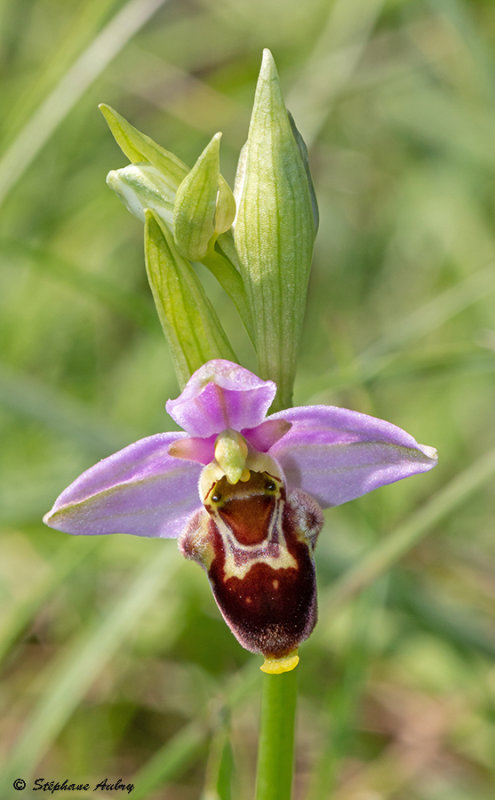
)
(275, 666)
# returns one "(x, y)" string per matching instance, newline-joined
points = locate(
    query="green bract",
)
(204, 205)
(190, 324)
(140, 148)
(274, 230)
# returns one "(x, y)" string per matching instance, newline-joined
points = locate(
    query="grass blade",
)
(53, 110)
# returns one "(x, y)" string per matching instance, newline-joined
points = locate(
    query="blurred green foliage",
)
(114, 658)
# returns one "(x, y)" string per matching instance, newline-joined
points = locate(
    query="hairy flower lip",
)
(150, 489)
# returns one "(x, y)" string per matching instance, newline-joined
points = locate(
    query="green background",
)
(115, 661)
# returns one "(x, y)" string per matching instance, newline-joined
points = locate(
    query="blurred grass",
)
(114, 659)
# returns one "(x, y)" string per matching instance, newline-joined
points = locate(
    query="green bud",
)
(204, 205)
(274, 230)
(142, 186)
(190, 324)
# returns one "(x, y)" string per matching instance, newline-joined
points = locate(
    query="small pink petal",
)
(194, 449)
(266, 434)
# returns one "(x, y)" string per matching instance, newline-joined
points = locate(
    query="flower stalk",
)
(276, 742)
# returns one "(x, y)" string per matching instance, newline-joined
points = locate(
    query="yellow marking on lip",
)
(276, 666)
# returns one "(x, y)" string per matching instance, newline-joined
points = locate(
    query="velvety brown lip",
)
(269, 610)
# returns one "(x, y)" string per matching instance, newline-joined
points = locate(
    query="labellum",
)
(256, 545)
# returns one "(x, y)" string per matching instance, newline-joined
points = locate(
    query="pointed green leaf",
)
(141, 148)
(274, 231)
(190, 324)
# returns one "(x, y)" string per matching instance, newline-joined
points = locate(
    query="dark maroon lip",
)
(269, 609)
(257, 548)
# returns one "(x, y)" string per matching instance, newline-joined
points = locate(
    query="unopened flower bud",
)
(142, 186)
(204, 205)
(274, 230)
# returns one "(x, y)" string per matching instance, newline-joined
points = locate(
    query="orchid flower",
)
(243, 492)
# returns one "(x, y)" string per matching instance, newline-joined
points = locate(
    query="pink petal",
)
(140, 490)
(265, 435)
(194, 449)
(221, 395)
(336, 454)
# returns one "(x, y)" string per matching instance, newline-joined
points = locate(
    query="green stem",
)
(276, 744)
